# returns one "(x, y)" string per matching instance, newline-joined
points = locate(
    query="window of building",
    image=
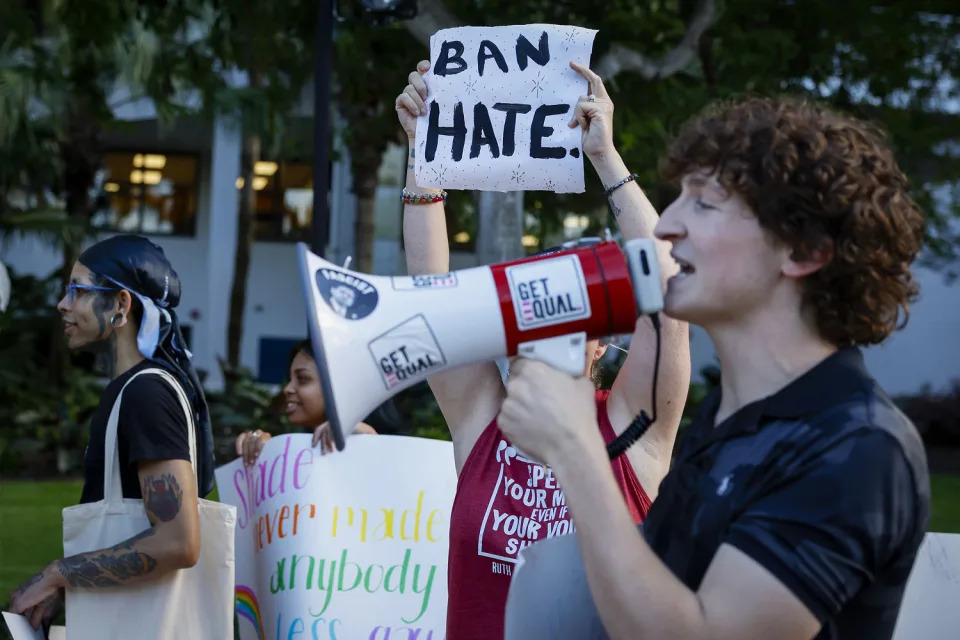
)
(284, 200)
(148, 192)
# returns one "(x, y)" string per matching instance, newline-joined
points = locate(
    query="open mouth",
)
(686, 268)
(291, 407)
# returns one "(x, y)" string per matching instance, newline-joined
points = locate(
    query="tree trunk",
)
(241, 262)
(82, 156)
(365, 228)
(365, 165)
(500, 226)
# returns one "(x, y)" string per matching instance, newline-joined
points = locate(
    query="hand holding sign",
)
(498, 101)
(410, 103)
(594, 114)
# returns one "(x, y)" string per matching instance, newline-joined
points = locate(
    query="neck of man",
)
(763, 352)
(118, 353)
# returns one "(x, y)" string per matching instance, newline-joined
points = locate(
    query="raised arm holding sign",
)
(504, 500)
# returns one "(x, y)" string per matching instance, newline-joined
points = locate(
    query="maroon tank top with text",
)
(505, 502)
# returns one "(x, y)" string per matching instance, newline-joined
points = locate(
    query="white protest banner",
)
(351, 544)
(499, 106)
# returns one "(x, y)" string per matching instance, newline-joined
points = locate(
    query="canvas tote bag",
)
(195, 603)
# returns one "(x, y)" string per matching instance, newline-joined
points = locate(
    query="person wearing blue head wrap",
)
(135, 264)
(120, 303)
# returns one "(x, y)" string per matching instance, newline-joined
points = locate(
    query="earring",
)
(116, 320)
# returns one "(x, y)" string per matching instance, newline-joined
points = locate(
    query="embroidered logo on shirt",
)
(725, 485)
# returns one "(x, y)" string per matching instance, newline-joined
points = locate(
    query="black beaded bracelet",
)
(607, 192)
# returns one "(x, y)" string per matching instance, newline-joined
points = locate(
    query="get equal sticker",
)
(548, 292)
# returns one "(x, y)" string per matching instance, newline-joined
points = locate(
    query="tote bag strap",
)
(112, 488)
(188, 412)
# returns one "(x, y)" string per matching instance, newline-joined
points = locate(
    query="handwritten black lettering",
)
(526, 52)
(449, 65)
(487, 51)
(510, 125)
(458, 132)
(539, 130)
(483, 132)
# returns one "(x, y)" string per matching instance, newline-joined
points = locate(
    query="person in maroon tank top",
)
(505, 500)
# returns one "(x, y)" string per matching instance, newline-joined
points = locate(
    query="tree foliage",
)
(896, 63)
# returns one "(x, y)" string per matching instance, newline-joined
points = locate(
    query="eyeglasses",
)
(70, 291)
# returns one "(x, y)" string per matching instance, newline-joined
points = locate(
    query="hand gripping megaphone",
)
(374, 336)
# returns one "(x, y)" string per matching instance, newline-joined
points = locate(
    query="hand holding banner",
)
(347, 545)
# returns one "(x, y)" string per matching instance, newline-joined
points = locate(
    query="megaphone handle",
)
(565, 353)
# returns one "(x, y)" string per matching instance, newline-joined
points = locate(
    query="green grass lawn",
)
(30, 524)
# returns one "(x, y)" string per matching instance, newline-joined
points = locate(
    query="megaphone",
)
(374, 336)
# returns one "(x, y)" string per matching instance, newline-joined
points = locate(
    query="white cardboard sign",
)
(500, 100)
(345, 545)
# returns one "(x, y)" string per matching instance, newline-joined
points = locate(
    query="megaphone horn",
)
(374, 336)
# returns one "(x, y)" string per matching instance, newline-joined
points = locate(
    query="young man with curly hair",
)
(800, 495)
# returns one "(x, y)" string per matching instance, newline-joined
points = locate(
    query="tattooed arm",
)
(172, 542)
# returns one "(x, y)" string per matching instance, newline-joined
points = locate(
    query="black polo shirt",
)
(824, 484)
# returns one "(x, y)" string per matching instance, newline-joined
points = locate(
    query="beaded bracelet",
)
(609, 190)
(410, 197)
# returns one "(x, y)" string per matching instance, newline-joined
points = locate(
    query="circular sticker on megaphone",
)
(349, 296)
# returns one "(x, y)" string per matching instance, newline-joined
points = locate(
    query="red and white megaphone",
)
(374, 336)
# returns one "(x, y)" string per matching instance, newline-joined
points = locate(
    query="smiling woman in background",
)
(304, 406)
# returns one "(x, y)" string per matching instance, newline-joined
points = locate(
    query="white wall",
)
(275, 307)
(925, 352)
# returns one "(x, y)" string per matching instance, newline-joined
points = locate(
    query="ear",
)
(124, 302)
(800, 264)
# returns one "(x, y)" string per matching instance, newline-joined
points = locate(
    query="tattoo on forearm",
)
(106, 570)
(162, 496)
(613, 207)
(413, 154)
(109, 569)
(26, 585)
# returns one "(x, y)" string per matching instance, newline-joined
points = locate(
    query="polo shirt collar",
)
(825, 385)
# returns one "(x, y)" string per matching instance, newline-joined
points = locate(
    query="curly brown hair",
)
(816, 179)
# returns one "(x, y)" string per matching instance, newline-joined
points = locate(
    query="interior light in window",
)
(527, 241)
(154, 161)
(145, 177)
(259, 183)
(111, 187)
(462, 237)
(149, 161)
(264, 168)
